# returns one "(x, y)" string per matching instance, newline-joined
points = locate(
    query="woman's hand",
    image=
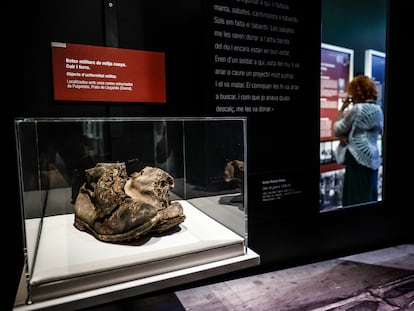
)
(343, 139)
(346, 102)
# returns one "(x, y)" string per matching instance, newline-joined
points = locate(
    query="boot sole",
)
(120, 237)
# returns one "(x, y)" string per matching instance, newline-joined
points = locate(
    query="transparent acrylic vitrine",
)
(206, 158)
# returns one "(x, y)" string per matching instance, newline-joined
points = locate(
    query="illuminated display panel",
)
(375, 62)
(337, 69)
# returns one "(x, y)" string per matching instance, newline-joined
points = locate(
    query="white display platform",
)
(72, 265)
(141, 286)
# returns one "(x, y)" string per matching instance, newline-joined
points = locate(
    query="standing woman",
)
(360, 125)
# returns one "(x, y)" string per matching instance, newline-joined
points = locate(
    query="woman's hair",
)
(362, 88)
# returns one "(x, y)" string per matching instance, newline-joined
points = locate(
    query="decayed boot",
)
(152, 185)
(129, 221)
(115, 208)
(169, 217)
(103, 209)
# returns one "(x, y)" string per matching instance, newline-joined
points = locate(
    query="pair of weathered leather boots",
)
(115, 207)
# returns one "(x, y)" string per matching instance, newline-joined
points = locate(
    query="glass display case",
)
(113, 207)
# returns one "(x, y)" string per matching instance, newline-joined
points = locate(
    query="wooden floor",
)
(380, 280)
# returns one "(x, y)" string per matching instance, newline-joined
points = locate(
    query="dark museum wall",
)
(281, 144)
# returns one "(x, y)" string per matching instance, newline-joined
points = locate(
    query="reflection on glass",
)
(348, 48)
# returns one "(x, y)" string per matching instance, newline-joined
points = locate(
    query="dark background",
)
(357, 25)
(285, 142)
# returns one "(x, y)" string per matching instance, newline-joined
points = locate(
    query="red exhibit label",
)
(93, 73)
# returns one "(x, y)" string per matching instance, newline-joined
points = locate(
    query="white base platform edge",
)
(140, 286)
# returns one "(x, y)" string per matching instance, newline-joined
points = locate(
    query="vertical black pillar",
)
(111, 40)
(113, 109)
(111, 23)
